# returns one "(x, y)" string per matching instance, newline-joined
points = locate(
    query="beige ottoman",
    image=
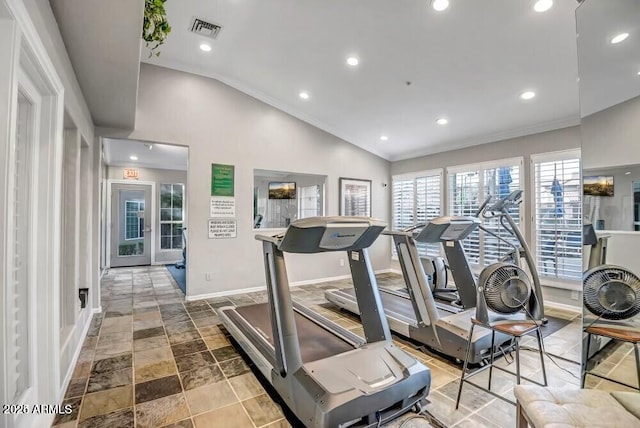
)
(542, 407)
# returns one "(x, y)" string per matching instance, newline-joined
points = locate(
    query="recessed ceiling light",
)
(439, 5)
(133, 157)
(304, 95)
(527, 95)
(442, 121)
(619, 38)
(205, 47)
(543, 5)
(353, 61)
(638, 73)
(627, 173)
(384, 138)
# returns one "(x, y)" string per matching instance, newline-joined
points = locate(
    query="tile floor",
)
(153, 360)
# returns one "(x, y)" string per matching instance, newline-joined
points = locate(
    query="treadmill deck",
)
(316, 342)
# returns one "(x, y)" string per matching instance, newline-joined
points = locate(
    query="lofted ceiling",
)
(468, 64)
(609, 73)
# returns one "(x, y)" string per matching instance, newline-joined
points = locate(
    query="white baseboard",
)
(76, 354)
(261, 288)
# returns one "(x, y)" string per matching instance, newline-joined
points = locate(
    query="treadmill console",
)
(449, 228)
(322, 234)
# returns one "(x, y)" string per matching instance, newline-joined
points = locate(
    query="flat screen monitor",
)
(282, 190)
(597, 185)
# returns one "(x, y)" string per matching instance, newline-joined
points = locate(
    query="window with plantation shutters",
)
(310, 203)
(417, 198)
(468, 187)
(428, 206)
(498, 183)
(171, 216)
(557, 219)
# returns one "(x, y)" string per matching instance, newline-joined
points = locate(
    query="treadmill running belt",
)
(397, 304)
(316, 342)
(391, 303)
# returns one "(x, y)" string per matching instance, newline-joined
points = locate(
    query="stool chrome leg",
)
(585, 360)
(493, 340)
(464, 367)
(517, 361)
(544, 372)
(637, 352)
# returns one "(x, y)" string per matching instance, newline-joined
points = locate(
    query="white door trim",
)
(28, 54)
(108, 217)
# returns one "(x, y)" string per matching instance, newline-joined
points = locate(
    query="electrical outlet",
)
(341, 262)
(208, 276)
(575, 295)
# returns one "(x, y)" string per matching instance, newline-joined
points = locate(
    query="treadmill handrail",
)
(266, 238)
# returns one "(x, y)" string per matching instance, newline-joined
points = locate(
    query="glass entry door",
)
(130, 225)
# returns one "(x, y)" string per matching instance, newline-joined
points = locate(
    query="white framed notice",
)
(223, 206)
(221, 228)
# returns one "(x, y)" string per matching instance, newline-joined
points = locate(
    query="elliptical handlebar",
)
(503, 205)
(483, 205)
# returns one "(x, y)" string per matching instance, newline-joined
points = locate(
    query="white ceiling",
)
(102, 40)
(161, 156)
(608, 73)
(468, 63)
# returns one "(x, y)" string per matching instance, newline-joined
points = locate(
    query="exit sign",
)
(130, 174)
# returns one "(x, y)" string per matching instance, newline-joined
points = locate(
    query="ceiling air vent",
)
(204, 28)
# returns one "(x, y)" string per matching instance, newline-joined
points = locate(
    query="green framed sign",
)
(222, 180)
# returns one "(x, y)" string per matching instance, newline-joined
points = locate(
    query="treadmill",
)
(327, 375)
(415, 315)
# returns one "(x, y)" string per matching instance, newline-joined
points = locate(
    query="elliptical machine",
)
(464, 279)
(499, 272)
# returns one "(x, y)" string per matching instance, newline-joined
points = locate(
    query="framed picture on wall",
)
(355, 197)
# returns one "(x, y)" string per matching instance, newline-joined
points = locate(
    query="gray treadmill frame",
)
(448, 334)
(294, 380)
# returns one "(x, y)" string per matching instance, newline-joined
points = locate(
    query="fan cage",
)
(506, 288)
(611, 292)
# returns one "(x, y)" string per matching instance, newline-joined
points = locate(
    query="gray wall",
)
(159, 176)
(223, 125)
(611, 137)
(545, 142)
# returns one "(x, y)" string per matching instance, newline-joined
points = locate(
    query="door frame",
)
(109, 219)
(27, 56)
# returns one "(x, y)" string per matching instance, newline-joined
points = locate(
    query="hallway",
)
(154, 360)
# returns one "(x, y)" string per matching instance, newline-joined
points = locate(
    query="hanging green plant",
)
(155, 27)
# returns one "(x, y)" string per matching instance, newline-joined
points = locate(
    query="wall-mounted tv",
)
(282, 190)
(597, 185)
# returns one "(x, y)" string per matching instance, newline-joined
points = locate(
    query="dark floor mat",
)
(180, 276)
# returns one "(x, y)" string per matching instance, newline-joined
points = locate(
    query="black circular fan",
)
(506, 287)
(611, 292)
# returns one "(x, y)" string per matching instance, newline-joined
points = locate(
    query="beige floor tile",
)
(155, 370)
(210, 397)
(246, 386)
(106, 401)
(150, 356)
(262, 410)
(220, 418)
(108, 350)
(150, 343)
(163, 411)
(216, 341)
